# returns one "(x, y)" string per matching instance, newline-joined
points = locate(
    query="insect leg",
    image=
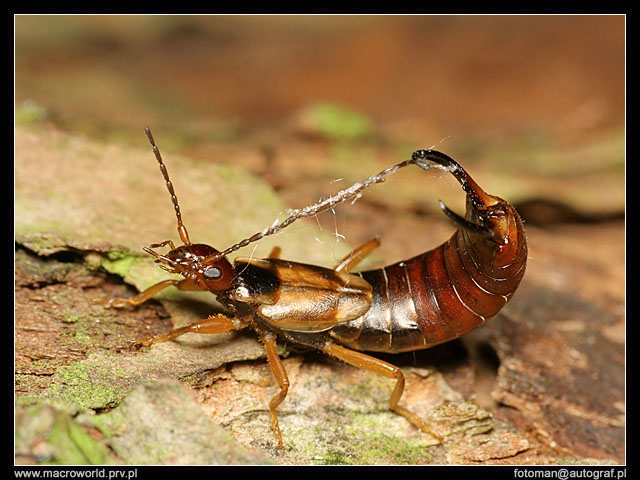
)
(375, 365)
(358, 254)
(279, 372)
(119, 302)
(213, 324)
(163, 244)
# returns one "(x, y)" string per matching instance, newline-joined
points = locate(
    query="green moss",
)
(337, 458)
(73, 444)
(339, 123)
(83, 338)
(86, 386)
(89, 327)
(383, 447)
(67, 441)
(41, 363)
(388, 449)
(227, 172)
(115, 255)
(359, 448)
(31, 383)
(29, 112)
(367, 440)
(143, 273)
(373, 388)
(72, 318)
(118, 263)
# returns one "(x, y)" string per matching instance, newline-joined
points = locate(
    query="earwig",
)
(430, 299)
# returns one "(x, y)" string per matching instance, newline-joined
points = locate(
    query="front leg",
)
(120, 302)
(211, 325)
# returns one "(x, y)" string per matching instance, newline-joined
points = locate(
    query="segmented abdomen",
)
(435, 297)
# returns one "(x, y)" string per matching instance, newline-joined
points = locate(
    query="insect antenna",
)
(354, 190)
(182, 230)
(419, 158)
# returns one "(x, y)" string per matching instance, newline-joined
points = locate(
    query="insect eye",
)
(212, 273)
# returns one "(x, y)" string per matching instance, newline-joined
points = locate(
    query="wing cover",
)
(299, 297)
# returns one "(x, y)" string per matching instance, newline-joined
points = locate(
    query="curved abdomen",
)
(436, 296)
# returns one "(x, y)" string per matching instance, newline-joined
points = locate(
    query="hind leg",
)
(375, 365)
(357, 255)
(280, 374)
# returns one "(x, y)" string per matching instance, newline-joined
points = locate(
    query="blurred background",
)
(537, 101)
(487, 78)
(532, 106)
